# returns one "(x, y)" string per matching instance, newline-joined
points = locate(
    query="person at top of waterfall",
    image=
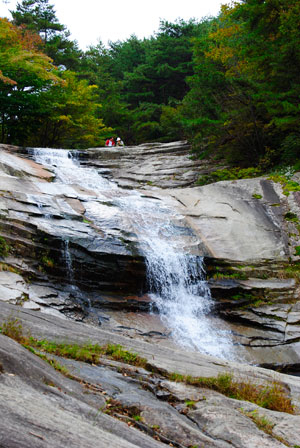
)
(110, 142)
(120, 142)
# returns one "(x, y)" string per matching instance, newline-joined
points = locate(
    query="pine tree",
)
(40, 17)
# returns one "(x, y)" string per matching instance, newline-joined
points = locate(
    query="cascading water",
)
(68, 170)
(67, 257)
(68, 261)
(176, 280)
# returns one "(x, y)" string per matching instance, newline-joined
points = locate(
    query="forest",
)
(230, 84)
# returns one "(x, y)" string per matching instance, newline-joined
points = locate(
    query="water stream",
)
(176, 279)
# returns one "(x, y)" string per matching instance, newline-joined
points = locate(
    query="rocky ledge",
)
(113, 403)
(162, 165)
(58, 259)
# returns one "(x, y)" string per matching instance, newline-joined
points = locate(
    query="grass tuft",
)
(263, 424)
(272, 396)
(119, 354)
(89, 353)
(14, 330)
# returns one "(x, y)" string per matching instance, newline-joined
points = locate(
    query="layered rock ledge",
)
(61, 261)
(115, 404)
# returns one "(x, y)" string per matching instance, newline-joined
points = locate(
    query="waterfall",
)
(68, 261)
(75, 291)
(176, 280)
(68, 170)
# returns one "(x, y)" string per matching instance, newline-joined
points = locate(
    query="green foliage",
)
(272, 396)
(7, 267)
(170, 123)
(40, 17)
(53, 363)
(289, 216)
(243, 101)
(25, 72)
(47, 262)
(137, 418)
(87, 353)
(287, 184)
(292, 270)
(118, 353)
(190, 403)
(229, 174)
(234, 275)
(4, 247)
(264, 424)
(221, 83)
(70, 115)
(13, 328)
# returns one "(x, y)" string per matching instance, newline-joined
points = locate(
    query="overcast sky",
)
(92, 20)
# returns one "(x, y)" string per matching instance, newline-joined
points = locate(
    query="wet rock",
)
(81, 239)
(12, 164)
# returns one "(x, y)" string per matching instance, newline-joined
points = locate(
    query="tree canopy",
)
(229, 84)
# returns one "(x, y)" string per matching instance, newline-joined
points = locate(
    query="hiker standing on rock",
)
(120, 142)
(110, 142)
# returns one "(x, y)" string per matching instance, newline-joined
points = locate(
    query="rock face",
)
(245, 229)
(72, 247)
(115, 404)
(71, 251)
(167, 165)
(249, 233)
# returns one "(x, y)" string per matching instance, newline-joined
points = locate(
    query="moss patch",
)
(287, 184)
(4, 247)
(229, 174)
(289, 216)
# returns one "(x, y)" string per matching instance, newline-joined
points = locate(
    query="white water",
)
(176, 280)
(68, 170)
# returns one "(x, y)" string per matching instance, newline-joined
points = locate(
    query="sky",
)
(90, 21)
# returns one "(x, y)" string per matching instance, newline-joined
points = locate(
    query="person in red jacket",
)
(110, 142)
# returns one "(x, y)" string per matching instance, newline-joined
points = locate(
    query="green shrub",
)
(47, 262)
(229, 174)
(4, 247)
(287, 184)
(13, 328)
(289, 216)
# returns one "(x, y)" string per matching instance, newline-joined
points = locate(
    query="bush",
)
(229, 174)
(4, 247)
